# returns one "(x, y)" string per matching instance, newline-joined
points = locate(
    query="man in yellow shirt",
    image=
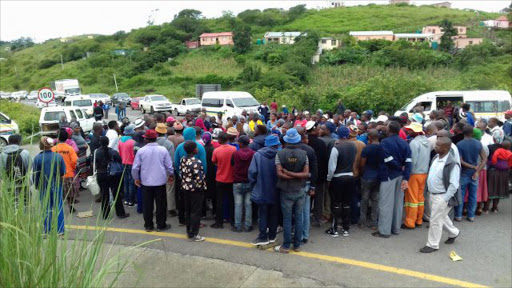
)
(70, 158)
(255, 122)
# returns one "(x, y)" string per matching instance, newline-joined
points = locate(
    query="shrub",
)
(274, 59)
(250, 74)
(47, 63)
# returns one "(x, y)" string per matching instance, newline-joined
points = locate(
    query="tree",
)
(147, 36)
(296, 11)
(242, 38)
(447, 43)
(189, 13)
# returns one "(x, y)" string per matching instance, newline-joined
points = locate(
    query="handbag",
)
(92, 182)
(114, 168)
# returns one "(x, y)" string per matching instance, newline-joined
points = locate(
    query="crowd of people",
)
(284, 171)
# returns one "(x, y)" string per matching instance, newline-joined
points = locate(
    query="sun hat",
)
(310, 125)
(138, 123)
(177, 126)
(352, 129)
(170, 119)
(244, 140)
(216, 132)
(272, 140)
(161, 128)
(343, 132)
(415, 127)
(382, 118)
(292, 136)
(47, 142)
(232, 131)
(509, 112)
(129, 130)
(150, 134)
(417, 117)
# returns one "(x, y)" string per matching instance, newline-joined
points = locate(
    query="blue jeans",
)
(292, 205)
(467, 183)
(306, 212)
(128, 184)
(242, 197)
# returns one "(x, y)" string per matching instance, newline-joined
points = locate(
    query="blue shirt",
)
(469, 150)
(49, 168)
(395, 159)
(372, 154)
(363, 138)
(152, 165)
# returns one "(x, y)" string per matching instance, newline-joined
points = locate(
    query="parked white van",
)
(7, 128)
(82, 101)
(485, 103)
(50, 117)
(228, 103)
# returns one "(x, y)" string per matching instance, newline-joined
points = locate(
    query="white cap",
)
(382, 118)
(310, 125)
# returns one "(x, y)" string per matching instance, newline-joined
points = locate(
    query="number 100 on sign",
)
(45, 95)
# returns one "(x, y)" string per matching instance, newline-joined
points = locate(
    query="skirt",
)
(83, 166)
(481, 191)
(498, 183)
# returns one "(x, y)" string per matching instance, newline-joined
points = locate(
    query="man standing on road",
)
(15, 162)
(341, 174)
(127, 153)
(292, 171)
(370, 183)
(394, 174)
(152, 169)
(70, 158)
(442, 185)
(113, 135)
(98, 112)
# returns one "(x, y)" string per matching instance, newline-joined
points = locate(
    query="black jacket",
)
(322, 156)
(313, 164)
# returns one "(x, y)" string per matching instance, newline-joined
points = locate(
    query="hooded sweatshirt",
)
(263, 176)
(189, 134)
(258, 142)
(25, 156)
(420, 152)
(241, 161)
(126, 150)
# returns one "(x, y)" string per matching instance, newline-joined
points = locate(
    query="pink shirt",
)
(126, 151)
(301, 123)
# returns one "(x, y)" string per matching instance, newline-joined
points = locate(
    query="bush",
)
(26, 117)
(275, 59)
(250, 74)
(47, 63)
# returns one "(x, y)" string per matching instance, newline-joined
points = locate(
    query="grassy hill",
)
(376, 75)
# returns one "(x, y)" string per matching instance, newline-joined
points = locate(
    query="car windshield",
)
(54, 115)
(193, 101)
(72, 91)
(122, 95)
(245, 102)
(82, 103)
(87, 115)
(158, 98)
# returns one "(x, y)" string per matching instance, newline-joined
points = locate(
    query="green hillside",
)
(377, 74)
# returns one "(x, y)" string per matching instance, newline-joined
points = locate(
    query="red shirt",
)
(273, 106)
(222, 157)
(126, 151)
(301, 123)
(402, 134)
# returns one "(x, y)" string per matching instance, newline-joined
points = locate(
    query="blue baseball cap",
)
(129, 130)
(343, 132)
(292, 136)
(272, 140)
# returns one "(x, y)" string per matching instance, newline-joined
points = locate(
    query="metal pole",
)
(61, 62)
(115, 81)
(16, 70)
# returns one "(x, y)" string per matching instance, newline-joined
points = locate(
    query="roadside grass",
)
(27, 117)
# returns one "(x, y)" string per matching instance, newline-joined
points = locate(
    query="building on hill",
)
(461, 43)
(282, 37)
(192, 44)
(399, 1)
(372, 35)
(443, 4)
(500, 23)
(222, 38)
(461, 31)
(328, 43)
(413, 37)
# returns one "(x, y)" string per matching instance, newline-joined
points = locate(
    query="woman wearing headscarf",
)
(200, 123)
(497, 176)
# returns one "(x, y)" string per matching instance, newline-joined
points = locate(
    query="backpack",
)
(114, 168)
(15, 168)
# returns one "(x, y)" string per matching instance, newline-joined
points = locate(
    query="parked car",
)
(7, 128)
(32, 95)
(50, 117)
(19, 95)
(229, 103)
(187, 105)
(97, 97)
(5, 95)
(135, 103)
(116, 98)
(155, 103)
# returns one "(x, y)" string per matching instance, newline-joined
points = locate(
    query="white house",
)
(328, 43)
(414, 37)
(282, 37)
(500, 23)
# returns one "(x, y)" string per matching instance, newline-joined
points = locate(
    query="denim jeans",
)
(292, 205)
(242, 197)
(467, 183)
(306, 212)
(128, 184)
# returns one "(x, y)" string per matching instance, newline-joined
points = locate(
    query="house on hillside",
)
(461, 43)
(500, 23)
(192, 44)
(328, 43)
(222, 38)
(399, 1)
(461, 31)
(372, 35)
(413, 37)
(282, 37)
(443, 4)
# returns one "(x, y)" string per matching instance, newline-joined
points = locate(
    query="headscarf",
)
(46, 143)
(498, 135)
(207, 138)
(200, 124)
(477, 134)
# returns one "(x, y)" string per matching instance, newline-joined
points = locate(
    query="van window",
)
(427, 106)
(82, 103)
(210, 102)
(504, 106)
(54, 115)
(87, 115)
(3, 119)
(229, 103)
(79, 113)
(245, 102)
(72, 113)
(484, 106)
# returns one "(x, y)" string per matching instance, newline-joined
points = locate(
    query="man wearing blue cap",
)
(341, 173)
(263, 179)
(292, 171)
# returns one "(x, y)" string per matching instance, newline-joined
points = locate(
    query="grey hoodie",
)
(420, 154)
(25, 156)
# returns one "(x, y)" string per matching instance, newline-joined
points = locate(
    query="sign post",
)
(45, 95)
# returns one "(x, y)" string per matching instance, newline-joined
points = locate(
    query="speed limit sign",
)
(45, 95)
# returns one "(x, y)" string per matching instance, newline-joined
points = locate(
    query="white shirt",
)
(435, 178)
(113, 139)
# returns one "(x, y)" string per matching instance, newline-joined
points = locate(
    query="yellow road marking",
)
(335, 259)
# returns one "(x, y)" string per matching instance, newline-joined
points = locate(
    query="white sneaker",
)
(345, 233)
(196, 238)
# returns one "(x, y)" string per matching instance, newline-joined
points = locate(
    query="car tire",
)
(142, 109)
(151, 110)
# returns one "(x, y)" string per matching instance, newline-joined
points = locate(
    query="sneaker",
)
(296, 249)
(458, 219)
(304, 241)
(427, 249)
(249, 229)
(471, 219)
(260, 241)
(234, 229)
(272, 240)
(125, 203)
(131, 204)
(279, 229)
(167, 227)
(345, 233)
(332, 232)
(377, 234)
(196, 238)
(281, 249)
(217, 226)
(451, 240)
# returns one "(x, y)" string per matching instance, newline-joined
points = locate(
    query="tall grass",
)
(32, 256)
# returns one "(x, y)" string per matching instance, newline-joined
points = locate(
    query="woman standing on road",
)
(82, 165)
(103, 157)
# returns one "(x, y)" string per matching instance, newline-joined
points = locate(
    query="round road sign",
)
(45, 95)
